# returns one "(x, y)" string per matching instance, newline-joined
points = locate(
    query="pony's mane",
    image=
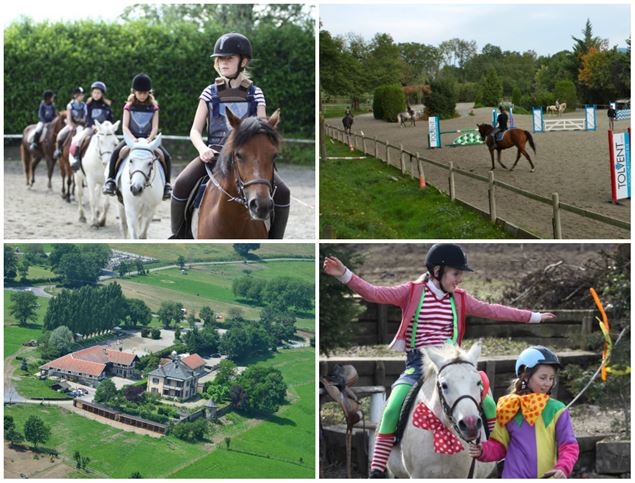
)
(248, 128)
(449, 352)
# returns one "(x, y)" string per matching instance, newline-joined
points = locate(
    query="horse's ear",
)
(233, 119)
(155, 144)
(127, 139)
(434, 357)
(474, 353)
(98, 125)
(274, 120)
(115, 126)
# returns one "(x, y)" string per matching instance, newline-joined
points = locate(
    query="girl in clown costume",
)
(433, 313)
(533, 432)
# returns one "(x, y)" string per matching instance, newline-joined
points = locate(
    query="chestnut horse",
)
(31, 158)
(68, 180)
(238, 199)
(513, 137)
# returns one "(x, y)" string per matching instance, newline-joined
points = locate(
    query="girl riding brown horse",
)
(238, 199)
(511, 137)
(31, 157)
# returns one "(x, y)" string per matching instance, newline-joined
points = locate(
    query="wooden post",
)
(375, 143)
(557, 228)
(490, 370)
(322, 138)
(382, 323)
(387, 153)
(363, 144)
(401, 160)
(492, 198)
(451, 179)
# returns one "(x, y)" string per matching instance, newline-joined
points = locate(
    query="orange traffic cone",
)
(422, 182)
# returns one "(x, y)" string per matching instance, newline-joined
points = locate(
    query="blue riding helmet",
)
(98, 85)
(534, 356)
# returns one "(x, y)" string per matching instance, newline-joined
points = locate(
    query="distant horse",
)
(512, 137)
(347, 122)
(557, 110)
(141, 185)
(68, 178)
(238, 199)
(46, 148)
(452, 395)
(96, 157)
(407, 116)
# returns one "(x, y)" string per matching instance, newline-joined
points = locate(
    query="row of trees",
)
(281, 292)
(351, 66)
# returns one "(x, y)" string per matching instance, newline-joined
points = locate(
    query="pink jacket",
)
(407, 295)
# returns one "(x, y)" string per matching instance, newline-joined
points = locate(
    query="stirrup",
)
(109, 187)
(167, 191)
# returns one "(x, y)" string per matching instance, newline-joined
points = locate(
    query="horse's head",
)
(141, 161)
(459, 386)
(484, 130)
(106, 139)
(249, 157)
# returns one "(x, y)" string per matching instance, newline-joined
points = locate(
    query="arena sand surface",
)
(575, 164)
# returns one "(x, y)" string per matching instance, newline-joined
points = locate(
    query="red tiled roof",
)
(194, 361)
(118, 357)
(69, 363)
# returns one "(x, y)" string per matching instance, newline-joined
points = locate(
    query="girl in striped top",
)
(433, 313)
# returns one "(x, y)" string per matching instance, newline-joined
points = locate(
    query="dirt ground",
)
(23, 462)
(574, 164)
(39, 213)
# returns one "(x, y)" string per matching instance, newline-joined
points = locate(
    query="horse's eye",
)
(239, 157)
(444, 386)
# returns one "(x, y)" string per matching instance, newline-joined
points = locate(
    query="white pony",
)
(141, 181)
(452, 391)
(97, 155)
(406, 116)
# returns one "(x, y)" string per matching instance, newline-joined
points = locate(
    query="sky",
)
(543, 28)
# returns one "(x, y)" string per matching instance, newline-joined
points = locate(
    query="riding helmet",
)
(142, 83)
(447, 254)
(98, 85)
(232, 43)
(536, 355)
(47, 94)
(78, 90)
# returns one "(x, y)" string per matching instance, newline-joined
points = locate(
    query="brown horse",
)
(239, 197)
(31, 158)
(68, 180)
(513, 137)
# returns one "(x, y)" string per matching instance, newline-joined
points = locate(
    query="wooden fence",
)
(378, 324)
(412, 164)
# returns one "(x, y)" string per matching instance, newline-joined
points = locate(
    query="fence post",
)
(557, 228)
(490, 370)
(363, 144)
(401, 161)
(322, 138)
(382, 323)
(375, 143)
(451, 179)
(420, 166)
(387, 154)
(492, 198)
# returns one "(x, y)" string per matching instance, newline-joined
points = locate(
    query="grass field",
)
(338, 110)
(211, 286)
(287, 438)
(32, 388)
(282, 447)
(361, 199)
(15, 336)
(206, 252)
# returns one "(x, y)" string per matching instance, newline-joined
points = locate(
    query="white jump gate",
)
(586, 123)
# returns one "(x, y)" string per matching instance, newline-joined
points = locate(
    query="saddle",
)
(125, 151)
(193, 201)
(338, 385)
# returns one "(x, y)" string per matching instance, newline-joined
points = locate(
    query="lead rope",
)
(470, 474)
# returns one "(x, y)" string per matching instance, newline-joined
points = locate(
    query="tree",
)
(11, 433)
(181, 262)
(177, 333)
(60, 342)
(191, 320)
(77, 456)
(239, 397)
(191, 431)
(139, 267)
(106, 391)
(204, 341)
(207, 315)
(35, 431)
(243, 249)
(122, 269)
(170, 312)
(136, 475)
(137, 313)
(155, 334)
(23, 268)
(491, 88)
(265, 388)
(134, 393)
(10, 263)
(79, 264)
(23, 307)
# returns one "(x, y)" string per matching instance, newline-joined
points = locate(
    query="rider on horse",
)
(140, 120)
(98, 109)
(232, 53)
(45, 114)
(501, 123)
(77, 114)
(433, 313)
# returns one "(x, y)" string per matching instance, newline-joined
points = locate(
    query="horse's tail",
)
(531, 140)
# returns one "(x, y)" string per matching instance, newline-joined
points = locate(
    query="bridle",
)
(447, 409)
(102, 153)
(147, 177)
(241, 198)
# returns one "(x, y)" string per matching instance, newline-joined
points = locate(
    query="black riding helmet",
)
(78, 90)
(233, 43)
(47, 94)
(142, 83)
(446, 255)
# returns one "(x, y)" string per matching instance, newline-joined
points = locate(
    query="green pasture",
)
(14, 335)
(369, 199)
(279, 447)
(205, 252)
(30, 387)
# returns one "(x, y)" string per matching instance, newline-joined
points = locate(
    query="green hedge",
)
(388, 101)
(60, 56)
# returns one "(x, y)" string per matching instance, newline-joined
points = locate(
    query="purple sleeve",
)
(492, 451)
(568, 448)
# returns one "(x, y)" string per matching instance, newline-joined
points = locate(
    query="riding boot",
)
(279, 223)
(36, 140)
(377, 474)
(177, 219)
(75, 165)
(167, 191)
(58, 150)
(110, 187)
